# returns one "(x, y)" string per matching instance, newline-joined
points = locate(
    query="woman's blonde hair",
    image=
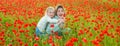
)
(48, 9)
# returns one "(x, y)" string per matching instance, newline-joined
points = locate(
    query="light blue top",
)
(56, 27)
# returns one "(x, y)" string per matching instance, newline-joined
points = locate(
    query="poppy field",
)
(92, 23)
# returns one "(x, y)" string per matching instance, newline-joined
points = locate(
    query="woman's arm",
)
(56, 27)
(61, 25)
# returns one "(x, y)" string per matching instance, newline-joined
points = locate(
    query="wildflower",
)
(84, 40)
(35, 44)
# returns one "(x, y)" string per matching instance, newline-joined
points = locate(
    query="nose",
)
(61, 13)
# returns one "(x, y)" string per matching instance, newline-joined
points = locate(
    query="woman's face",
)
(60, 12)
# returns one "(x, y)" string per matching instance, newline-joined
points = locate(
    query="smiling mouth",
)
(60, 15)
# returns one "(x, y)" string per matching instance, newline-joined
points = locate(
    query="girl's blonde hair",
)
(48, 9)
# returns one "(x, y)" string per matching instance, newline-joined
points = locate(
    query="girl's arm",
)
(39, 27)
(40, 23)
(52, 20)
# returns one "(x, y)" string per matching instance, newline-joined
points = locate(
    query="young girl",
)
(41, 26)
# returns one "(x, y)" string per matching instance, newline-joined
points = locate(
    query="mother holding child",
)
(52, 21)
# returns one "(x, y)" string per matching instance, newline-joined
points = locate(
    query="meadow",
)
(92, 23)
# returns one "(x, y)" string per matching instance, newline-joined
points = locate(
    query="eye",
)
(58, 11)
(62, 10)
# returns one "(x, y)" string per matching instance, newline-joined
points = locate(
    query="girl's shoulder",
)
(45, 17)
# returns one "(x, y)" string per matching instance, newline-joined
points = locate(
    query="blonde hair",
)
(48, 9)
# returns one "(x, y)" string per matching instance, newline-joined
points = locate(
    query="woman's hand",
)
(61, 25)
(61, 21)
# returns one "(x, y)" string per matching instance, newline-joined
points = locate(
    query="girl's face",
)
(50, 13)
(60, 12)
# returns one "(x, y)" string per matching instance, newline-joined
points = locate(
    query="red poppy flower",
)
(84, 40)
(20, 26)
(52, 25)
(0, 19)
(34, 24)
(80, 32)
(90, 34)
(69, 43)
(36, 38)
(10, 45)
(95, 28)
(50, 40)
(35, 44)
(118, 16)
(52, 44)
(20, 22)
(56, 33)
(21, 31)
(80, 44)
(0, 24)
(14, 31)
(26, 44)
(7, 24)
(21, 43)
(95, 42)
(74, 39)
(26, 25)
(58, 37)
